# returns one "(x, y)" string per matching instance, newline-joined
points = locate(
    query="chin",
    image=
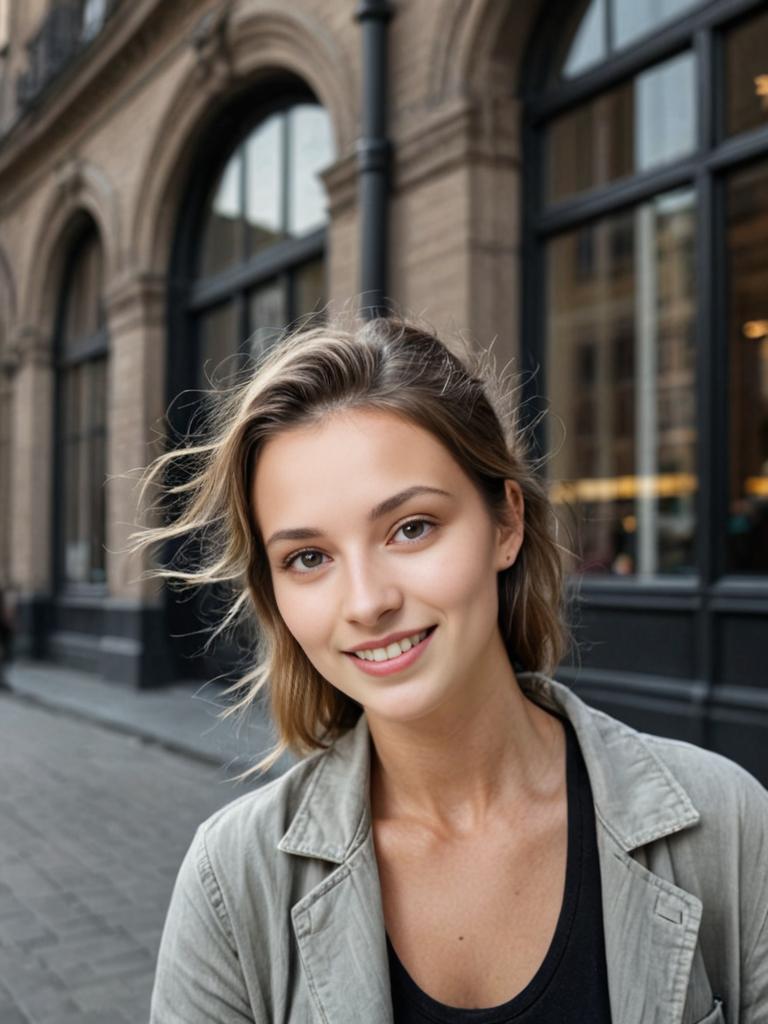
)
(405, 703)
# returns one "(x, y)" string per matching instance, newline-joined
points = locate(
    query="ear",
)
(510, 534)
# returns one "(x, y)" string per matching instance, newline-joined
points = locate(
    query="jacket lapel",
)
(339, 925)
(340, 932)
(651, 925)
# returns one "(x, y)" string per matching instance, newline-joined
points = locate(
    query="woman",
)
(464, 839)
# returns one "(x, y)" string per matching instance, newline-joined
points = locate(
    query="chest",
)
(472, 920)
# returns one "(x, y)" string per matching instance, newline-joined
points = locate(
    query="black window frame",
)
(189, 296)
(710, 589)
(89, 349)
(229, 124)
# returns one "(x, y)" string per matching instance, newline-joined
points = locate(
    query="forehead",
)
(349, 461)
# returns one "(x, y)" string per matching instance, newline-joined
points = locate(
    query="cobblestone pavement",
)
(93, 827)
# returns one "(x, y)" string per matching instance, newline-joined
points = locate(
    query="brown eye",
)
(310, 559)
(304, 561)
(416, 529)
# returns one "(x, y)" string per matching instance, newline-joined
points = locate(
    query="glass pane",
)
(268, 315)
(746, 75)
(264, 199)
(83, 306)
(223, 236)
(633, 19)
(219, 344)
(309, 289)
(635, 127)
(96, 449)
(5, 479)
(311, 151)
(621, 382)
(607, 26)
(747, 210)
(94, 14)
(589, 43)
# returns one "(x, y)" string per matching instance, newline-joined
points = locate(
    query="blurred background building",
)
(587, 182)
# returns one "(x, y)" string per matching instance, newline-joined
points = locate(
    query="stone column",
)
(31, 486)
(134, 646)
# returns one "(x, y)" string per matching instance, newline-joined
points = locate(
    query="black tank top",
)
(571, 985)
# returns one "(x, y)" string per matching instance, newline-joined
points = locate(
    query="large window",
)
(648, 283)
(249, 261)
(257, 260)
(82, 402)
(6, 447)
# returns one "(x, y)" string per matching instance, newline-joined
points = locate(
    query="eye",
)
(305, 561)
(415, 529)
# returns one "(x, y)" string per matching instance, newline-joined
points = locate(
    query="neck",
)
(454, 771)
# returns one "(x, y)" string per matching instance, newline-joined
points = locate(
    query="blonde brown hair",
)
(386, 364)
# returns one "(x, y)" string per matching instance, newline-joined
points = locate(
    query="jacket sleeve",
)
(754, 908)
(198, 979)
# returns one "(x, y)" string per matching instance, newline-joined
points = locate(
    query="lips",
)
(396, 664)
(391, 638)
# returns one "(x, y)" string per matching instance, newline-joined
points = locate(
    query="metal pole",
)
(373, 158)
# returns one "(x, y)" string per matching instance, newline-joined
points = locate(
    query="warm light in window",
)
(755, 329)
(761, 88)
(756, 486)
(624, 488)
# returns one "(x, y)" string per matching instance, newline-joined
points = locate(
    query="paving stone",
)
(94, 828)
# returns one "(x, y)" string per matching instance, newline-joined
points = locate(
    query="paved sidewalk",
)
(181, 718)
(94, 824)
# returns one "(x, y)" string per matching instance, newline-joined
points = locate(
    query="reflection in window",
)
(621, 377)
(747, 211)
(218, 343)
(270, 188)
(264, 197)
(269, 314)
(633, 19)
(94, 14)
(83, 402)
(269, 194)
(746, 75)
(310, 149)
(607, 26)
(6, 448)
(642, 124)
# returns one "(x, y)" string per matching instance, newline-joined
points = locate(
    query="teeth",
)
(393, 650)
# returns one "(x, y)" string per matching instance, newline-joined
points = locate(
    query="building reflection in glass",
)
(747, 212)
(621, 379)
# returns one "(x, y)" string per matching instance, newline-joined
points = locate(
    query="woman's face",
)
(376, 537)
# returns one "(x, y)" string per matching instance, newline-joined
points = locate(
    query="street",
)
(93, 827)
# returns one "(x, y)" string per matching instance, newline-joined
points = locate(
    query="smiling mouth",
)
(393, 650)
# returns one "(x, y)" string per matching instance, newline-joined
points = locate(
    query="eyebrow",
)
(382, 509)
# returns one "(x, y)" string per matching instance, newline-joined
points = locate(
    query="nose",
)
(370, 592)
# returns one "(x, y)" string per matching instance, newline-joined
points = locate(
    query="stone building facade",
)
(576, 181)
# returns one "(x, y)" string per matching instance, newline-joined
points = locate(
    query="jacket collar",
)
(637, 798)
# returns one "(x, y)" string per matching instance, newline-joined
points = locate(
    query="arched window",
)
(81, 358)
(253, 258)
(6, 446)
(647, 283)
(248, 261)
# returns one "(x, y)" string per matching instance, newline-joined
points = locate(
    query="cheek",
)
(303, 610)
(460, 574)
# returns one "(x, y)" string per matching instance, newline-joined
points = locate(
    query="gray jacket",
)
(276, 912)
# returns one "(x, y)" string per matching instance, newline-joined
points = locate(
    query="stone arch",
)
(478, 36)
(79, 188)
(250, 43)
